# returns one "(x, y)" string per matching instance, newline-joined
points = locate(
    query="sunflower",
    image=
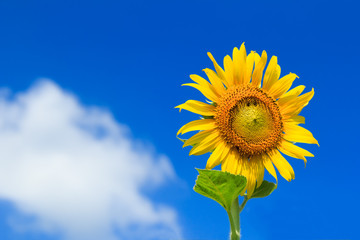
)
(248, 120)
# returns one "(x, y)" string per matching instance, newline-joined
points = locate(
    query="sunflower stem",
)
(234, 217)
(243, 204)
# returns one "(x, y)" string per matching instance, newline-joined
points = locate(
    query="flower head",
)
(249, 119)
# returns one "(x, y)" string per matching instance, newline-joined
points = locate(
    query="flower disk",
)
(251, 117)
(249, 120)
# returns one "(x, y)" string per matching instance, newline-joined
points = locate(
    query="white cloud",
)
(75, 171)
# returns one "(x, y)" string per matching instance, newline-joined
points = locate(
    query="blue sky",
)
(127, 60)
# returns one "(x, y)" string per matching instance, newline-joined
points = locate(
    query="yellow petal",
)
(205, 91)
(242, 167)
(296, 101)
(197, 107)
(239, 58)
(199, 80)
(242, 63)
(260, 175)
(202, 124)
(231, 163)
(197, 138)
(229, 71)
(204, 83)
(251, 176)
(281, 86)
(294, 106)
(287, 98)
(296, 91)
(269, 166)
(284, 168)
(259, 69)
(272, 73)
(256, 58)
(243, 170)
(303, 101)
(295, 119)
(258, 163)
(206, 145)
(249, 67)
(215, 81)
(294, 151)
(295, 133)
(219, 70)
(236, 62)
(225, 153)
(216, 157)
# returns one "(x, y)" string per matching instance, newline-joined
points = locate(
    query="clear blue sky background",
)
(132, 56)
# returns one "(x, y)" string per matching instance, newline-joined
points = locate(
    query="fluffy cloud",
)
(77, 172)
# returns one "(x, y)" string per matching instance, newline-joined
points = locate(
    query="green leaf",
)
(222, 187)
(265, 189)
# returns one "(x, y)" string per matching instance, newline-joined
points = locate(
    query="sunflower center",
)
(252, 120)
(249, 119)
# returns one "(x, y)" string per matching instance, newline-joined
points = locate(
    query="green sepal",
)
(265, 189)
(183, 140)
(223, 187)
